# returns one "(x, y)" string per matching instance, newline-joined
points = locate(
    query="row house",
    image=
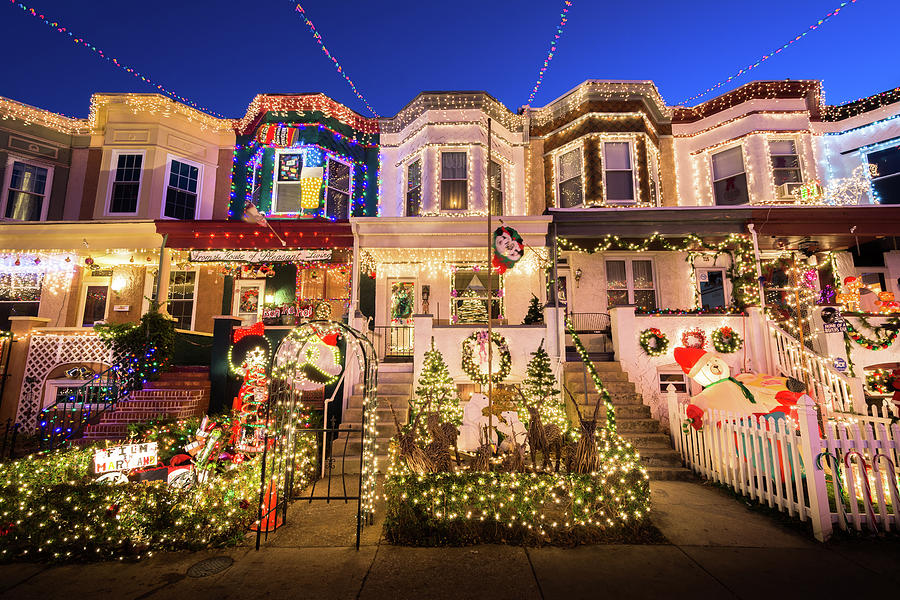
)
(634, 215)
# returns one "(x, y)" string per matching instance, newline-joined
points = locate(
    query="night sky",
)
(220, 54)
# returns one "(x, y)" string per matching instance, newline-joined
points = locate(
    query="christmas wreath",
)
(726, 340)
(472, 367)
(693, 338)
(654, 342)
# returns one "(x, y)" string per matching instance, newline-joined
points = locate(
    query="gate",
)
(292, 375)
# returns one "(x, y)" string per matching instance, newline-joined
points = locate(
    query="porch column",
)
(555, 337)
(162, 283)
(20, 328)
(624, 334)
(758, 341)
(423, 330)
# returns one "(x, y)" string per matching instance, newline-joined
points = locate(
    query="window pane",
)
(496, 176)
(732, 190)
(28, 178)
(615, 275)
(887, 161)
(337, 204)
(496, 202)
(887, 190)
(454, 194)
(781, 147)
(128, 167)
(786, 176)
(645, 299)
(124, 198)
(619, 185)
(289, 196)
(414, 175)
(289, 167)
(180, 205)
(785, 162)
(618, 155)
(642, 274)
(23, 207)
(727, 163)
(570, 165)
(453, 165)
(712, 291)
(183, 176)
(338, 176)
(570, 193)
(616, 298)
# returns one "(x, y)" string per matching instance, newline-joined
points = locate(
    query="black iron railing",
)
(394, 341)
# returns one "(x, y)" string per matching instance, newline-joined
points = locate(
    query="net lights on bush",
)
(772, 54)
(83, 42)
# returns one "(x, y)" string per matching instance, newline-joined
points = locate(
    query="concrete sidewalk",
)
(718, 549)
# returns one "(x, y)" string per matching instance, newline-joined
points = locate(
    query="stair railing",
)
(66, 418)
(831, 389)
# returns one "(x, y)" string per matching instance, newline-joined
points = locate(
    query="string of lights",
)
(775, 52)
(312, 28)
(99, 52)
(563, 19)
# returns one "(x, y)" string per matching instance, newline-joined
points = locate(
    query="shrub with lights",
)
(52, 508)
(436, 391)
(142, 350)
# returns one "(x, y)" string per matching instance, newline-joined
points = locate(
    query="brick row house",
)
(634, 214)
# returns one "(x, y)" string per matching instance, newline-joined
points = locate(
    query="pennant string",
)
(563, 19)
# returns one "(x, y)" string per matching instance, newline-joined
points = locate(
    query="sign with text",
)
(260, 256)
(125, 458)
(832, 320)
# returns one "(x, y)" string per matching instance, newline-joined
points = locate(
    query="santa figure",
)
(743, 394)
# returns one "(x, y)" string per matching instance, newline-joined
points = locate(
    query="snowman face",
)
(714, 370)
(311, 363)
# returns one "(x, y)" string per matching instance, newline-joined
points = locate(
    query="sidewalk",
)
(718, 549)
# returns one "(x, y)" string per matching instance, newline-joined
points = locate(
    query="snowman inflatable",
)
(742, 395)
(309, 359)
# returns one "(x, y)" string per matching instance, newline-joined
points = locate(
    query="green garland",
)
(468, 358)
(880, 342)
(726, 340)
(654, 342)
(595, 377)
(741, 273)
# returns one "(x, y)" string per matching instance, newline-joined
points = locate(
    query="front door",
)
(400, 311)
(249, 295)
(94, 301)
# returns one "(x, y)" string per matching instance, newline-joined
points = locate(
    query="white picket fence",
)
(847, 477)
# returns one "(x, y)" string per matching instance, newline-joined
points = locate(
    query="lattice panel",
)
(45, 353)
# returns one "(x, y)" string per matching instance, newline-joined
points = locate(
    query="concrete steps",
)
(633, 420)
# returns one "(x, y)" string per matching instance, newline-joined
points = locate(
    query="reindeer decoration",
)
(446, 432)
(542, 438)
(584, 458)
(415, 458)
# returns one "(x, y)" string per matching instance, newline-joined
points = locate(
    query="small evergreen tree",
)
(535, 314)
(540, 389)
(436, 391)
(471, 309)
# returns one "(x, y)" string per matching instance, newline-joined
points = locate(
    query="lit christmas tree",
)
(540, 389)
(436, 391)
(535, 314)
(471, 309)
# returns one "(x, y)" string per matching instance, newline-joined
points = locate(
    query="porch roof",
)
(78, 235)
(443, 231)
(834, 227)
(237, 235)
(677, 221)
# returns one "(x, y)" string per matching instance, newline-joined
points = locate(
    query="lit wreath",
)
(468, 357)
(726, 340)
(654, 342)
(693, 338)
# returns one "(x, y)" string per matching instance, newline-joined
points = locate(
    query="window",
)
(20, 295)
(337, 190)
(181, 193)
(414, 189)
(729, 179)
(126, 183)
(712, 288)
(288, 191)
(630, 281)
(569, 169)
(618, 177)
(496, 189)
(180, 304)
(470, 298)
(675, 378)
(454, 181)
(785, 162)
(27, 192)
(886, 184)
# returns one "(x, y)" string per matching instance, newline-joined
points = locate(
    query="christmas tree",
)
(535, 314)
(471, 309)
(540, 389)
(436, 391)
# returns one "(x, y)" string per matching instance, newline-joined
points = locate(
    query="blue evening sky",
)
(221, 53)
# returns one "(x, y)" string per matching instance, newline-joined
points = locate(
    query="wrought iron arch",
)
(284, 404)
